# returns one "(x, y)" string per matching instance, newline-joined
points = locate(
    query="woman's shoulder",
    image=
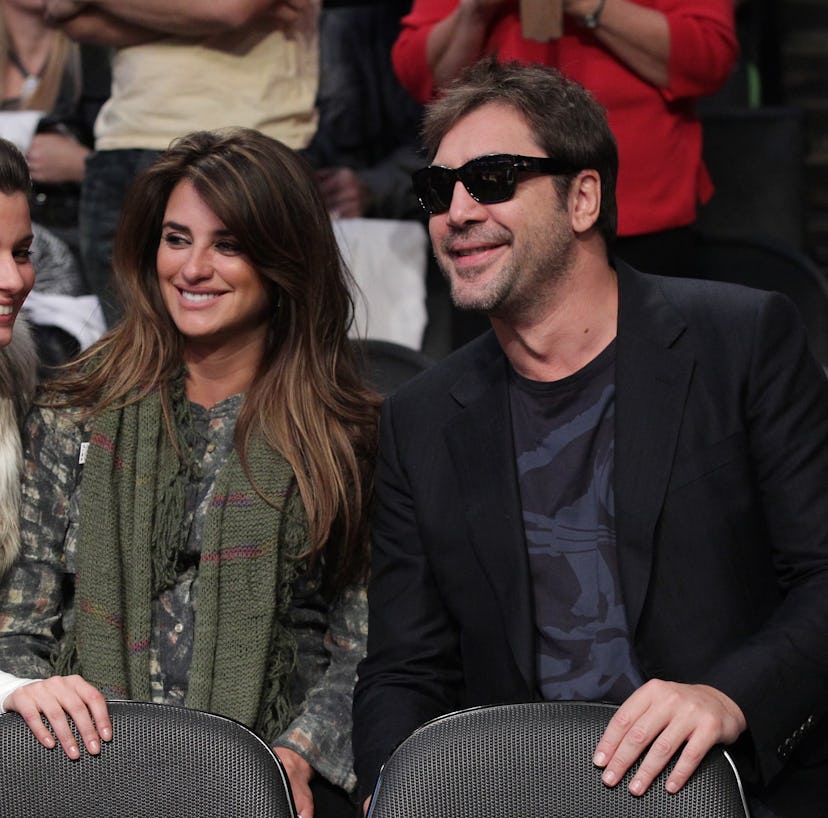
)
(50, 419)
(53, 452)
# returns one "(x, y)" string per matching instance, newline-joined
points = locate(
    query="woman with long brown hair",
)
(198, 480)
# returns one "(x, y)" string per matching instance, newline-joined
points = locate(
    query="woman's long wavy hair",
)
(308, 398)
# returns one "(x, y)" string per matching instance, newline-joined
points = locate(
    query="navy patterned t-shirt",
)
(564, 439)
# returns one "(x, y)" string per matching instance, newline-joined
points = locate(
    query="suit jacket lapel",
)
(652, 378)
(479, 439)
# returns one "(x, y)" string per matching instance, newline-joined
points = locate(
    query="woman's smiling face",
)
(215, 296)
(16, 269)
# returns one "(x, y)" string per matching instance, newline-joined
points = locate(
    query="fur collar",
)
(18, 379)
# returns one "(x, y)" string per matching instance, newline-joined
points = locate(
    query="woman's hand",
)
(54, 158)
(55, 699)
(299, 773)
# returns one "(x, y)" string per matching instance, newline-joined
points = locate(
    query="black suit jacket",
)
(721, 494)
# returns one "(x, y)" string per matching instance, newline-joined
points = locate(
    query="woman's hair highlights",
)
(14, 170)
(308, 399)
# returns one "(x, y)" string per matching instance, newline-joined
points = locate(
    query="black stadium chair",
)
(770, 265)
(388, 365)
(756, 160)
(162, 762)
(535, 761)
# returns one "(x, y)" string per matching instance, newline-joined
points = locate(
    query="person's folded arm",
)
(185, 18)
(686, 49)
(100, 28)
(638, 36)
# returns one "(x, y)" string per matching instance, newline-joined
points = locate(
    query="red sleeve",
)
(703, 45)
(409, 52)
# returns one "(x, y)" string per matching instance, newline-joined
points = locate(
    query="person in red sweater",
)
(645, 61)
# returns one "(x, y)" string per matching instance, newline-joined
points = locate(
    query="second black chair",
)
(534, 760)
(770, 265)
(389, 365)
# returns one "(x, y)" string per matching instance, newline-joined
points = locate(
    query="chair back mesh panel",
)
(770, 265)
(388, 365)
(163, 761)
(755, 157)
(535, 761)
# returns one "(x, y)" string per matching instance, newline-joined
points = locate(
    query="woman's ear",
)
(585, 200)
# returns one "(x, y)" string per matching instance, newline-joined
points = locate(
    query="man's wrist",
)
(591, 20)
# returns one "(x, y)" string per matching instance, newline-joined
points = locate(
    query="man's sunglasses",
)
(488, 179)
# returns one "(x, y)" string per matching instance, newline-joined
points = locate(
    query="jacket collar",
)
(480, 444)
(653, 371)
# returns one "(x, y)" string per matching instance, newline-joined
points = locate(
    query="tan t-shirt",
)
(257, 77)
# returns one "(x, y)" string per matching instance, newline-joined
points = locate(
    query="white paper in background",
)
(388, 260)
(81, 316)
(19, 127)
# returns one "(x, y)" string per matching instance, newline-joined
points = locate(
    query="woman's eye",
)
(230, 248)
(174, 239)
(23, 255)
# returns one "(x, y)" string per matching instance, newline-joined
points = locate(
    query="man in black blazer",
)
(619, 493)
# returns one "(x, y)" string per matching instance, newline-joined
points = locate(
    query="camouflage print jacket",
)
(36, 593)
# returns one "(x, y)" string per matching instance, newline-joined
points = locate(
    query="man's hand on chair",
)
(664, 716)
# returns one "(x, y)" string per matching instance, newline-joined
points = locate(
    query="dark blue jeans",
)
(108, 176)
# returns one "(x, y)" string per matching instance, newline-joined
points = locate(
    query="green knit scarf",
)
(131, 532)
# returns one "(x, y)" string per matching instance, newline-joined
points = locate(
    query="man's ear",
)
(584, 200)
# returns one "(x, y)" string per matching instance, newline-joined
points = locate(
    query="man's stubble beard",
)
(518, 291)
